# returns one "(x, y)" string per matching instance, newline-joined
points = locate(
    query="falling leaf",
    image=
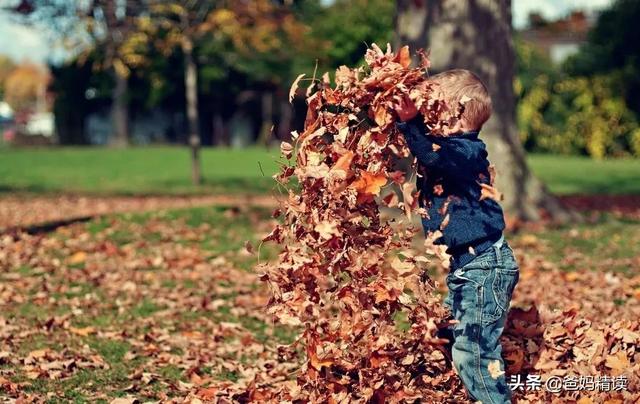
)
(327, 229)
(344, 163)
(445, 222)
(294, 87)
(286, 149)
(370, 183)
(249, 247)
(489, 192)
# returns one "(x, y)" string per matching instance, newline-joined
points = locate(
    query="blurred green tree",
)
(613, 47)
(350, 27)
(87, 25)
(572, 114)
(260, 39)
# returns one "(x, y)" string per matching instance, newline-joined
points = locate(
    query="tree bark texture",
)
(477, 35)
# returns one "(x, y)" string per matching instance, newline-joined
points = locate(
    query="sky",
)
(23, 43)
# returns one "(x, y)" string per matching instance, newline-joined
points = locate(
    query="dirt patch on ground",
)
(25, 211)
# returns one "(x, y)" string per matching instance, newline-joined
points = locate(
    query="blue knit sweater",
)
(453, 168)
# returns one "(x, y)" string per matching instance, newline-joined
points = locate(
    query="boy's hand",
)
(405, 108)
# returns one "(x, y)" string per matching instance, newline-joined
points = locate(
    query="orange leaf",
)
(618, 363)
(370, 183)
(382, 116)
(315, 361)
(78, 258)
(208, 393)
(344, 162)
(404, 57)
(83, 332)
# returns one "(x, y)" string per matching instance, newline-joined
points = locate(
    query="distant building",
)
(561, 38)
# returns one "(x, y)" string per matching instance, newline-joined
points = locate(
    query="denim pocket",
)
(504, 282)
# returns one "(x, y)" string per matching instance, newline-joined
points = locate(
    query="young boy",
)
(483, 270)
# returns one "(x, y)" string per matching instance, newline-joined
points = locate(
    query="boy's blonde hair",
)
(455, 85)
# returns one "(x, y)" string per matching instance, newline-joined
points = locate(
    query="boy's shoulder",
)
(461, 139)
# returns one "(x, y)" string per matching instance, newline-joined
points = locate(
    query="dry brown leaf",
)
(495, 370)
(294, 87)
(489, 192)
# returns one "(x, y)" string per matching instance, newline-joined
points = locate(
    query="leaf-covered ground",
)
(163, 306)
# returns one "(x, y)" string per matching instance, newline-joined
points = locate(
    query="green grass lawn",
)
(582, 175)
(152, 170)
(166, 170)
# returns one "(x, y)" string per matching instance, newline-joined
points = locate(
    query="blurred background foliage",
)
(589, 104)
(248, 53)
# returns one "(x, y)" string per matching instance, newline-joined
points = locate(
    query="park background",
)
(138, 141)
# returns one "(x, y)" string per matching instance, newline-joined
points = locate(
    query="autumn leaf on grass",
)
(124, 400)
(489, 192)
(370, 183)
(494, 369)
(294, 87)
(78, 258)
(618, 363)
(83, 332)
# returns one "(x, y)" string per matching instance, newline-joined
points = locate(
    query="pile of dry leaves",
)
(346, 276)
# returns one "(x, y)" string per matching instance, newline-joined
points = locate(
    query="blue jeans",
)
(479, 296)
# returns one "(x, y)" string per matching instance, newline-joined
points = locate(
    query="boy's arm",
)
(455, 159)
(419, 144)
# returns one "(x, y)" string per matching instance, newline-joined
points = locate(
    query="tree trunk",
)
(191, 89)
(476, 35)
(286, 120)
(120, 111)
(267, 119)
(220, 134)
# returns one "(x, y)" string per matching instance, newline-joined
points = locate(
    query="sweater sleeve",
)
(456, 158)
(420, 145)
